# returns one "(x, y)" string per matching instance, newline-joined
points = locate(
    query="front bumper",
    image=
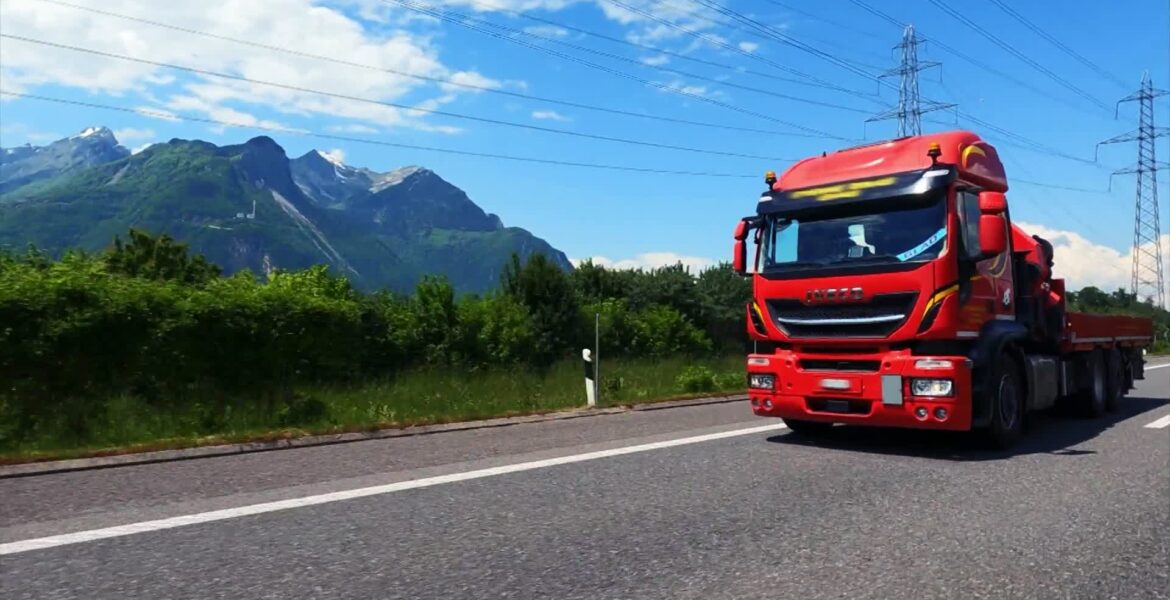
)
(871, 390)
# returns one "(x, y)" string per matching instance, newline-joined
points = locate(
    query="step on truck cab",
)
(890, 288)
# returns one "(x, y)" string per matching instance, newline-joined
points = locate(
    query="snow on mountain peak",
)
(91, 131)
(335, 156)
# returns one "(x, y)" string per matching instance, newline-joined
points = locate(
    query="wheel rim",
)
(1008, 403)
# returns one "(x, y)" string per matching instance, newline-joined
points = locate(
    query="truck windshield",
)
(886, 234)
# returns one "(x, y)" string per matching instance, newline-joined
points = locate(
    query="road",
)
(698, 502)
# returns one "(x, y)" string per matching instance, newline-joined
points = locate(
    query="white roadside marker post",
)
(590, 388)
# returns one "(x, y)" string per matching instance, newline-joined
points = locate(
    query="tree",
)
(724, 295)
(158, 258)
(545, 290)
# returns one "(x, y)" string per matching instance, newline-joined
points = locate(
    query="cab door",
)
(989, 289)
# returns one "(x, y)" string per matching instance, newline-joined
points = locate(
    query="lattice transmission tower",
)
(910, 104)
(1148, 281)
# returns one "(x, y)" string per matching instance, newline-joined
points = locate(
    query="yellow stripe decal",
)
(939, 297)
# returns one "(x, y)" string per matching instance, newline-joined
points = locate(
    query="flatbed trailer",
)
(891, 289)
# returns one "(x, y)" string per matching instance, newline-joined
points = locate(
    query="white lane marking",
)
(255, 509)
(1162, 423)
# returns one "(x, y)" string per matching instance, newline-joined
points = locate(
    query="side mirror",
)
(739, 260)
(992, 234)
(739, 253)
(992, 203)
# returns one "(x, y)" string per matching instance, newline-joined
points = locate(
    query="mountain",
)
(248, 206)
(28, 164)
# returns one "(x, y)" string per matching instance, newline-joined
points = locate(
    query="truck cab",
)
(891, 288)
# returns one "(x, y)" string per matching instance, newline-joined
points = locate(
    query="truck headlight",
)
(762, 381)
(931, 387)
(932, 363)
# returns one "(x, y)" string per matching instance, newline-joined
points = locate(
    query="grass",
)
(432, 396)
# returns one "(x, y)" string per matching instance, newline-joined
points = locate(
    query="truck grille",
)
(862, 366)
(878, 317)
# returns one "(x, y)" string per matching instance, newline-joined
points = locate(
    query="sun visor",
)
(906, 185)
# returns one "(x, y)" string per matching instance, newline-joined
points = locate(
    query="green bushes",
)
(143, 324)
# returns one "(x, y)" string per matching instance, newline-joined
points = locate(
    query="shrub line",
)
(189, 449)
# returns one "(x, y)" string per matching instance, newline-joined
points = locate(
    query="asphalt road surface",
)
(699, 502)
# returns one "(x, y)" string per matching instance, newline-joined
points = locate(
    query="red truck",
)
(890, 288)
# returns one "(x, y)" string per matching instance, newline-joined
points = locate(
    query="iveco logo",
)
(833, 295)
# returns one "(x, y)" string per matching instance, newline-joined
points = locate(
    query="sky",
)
(795, 79)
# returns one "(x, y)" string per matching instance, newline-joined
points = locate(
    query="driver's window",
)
(969, 221)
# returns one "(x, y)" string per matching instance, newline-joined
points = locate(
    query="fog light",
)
(931, 387)
(940, 413)
(921, 413)
(931, 363)
(762, 381)
(767, 405)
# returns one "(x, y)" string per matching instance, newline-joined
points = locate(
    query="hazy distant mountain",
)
(28, 164)
(248, 206)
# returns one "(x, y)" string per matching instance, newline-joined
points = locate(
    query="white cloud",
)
(651, 260)
(469, 78)
(749, 46)
(351, 128)
(132, 134)
(304, 24)
(549, 115)
(656, 61)
(142, 147)
(548, 31)
(157, 113)
(694, 90)
(1082, 262)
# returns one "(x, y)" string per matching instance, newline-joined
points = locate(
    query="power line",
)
(388, 104)
(433, 79)
(461, 19)
(720, 43)
(1148, 276)
(172, 116)
(646, 47)
(1055, 42)
(697, 14)
(778, 35)
(464, 20)
(615, 72)
(1014, 52)
(970, 59)
(910, 105)
(836, 24)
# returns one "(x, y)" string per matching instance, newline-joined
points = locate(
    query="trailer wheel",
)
(1007, 405)
(1094, 389)
(1116, 386)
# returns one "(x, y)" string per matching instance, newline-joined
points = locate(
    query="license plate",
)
(837, 406)
(835, 384)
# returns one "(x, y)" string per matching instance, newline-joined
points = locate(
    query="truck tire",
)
(1116, 386)
(1007, 404)
(808, 428)
(1094, 388)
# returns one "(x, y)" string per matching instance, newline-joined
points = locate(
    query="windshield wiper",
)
(870, 258)
(795, 264)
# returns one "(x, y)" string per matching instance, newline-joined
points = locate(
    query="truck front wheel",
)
(1007, 405)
